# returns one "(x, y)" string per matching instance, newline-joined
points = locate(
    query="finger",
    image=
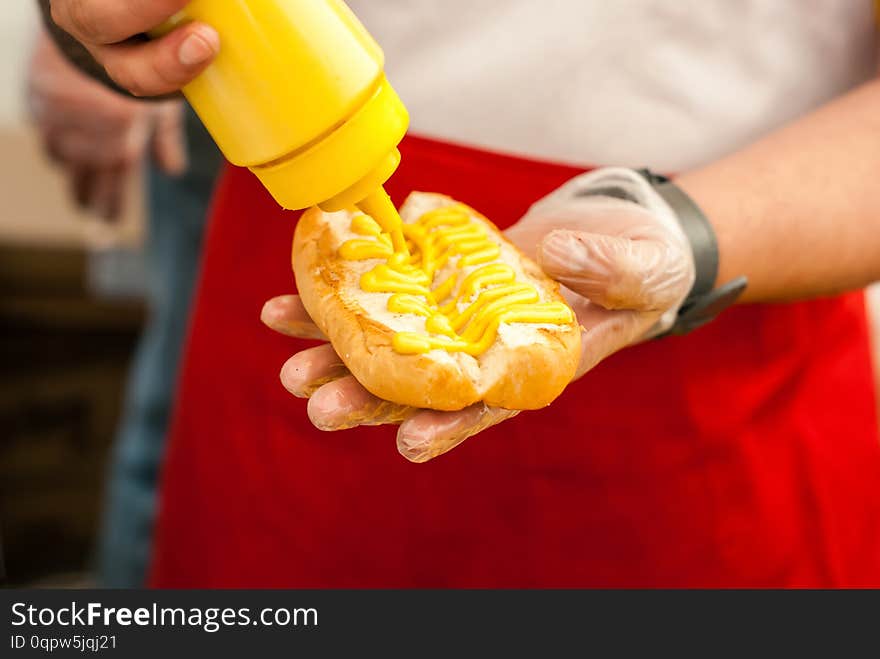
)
(160, 66)
(616, 272)
(287, 315)
(87, 147)
(169, 141)
(111, 21)
(606, 331)
(82, 182)
(109, 193)
(73, 146)
(346, 404)
(429, 433)
(308, 370)
(52, 145)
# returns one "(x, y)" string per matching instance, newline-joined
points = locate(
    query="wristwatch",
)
(705, 301)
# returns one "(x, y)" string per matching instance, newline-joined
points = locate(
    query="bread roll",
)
(526, 366)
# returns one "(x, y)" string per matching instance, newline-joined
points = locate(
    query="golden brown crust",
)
(527, 376)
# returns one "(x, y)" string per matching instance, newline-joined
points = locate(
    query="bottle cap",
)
(346, 165)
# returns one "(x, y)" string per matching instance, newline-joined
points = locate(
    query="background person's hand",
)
(97, 136)
(626, 267)
(112, 32)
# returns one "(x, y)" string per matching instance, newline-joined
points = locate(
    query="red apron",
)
(745, 454)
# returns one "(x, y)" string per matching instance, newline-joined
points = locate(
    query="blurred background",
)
(104, 201)
(71, 307)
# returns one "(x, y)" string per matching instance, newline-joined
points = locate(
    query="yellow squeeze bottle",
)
(298, 95)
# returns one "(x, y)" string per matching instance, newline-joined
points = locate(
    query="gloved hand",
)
(111, 31)
(96, 135)
(618, 250)
(626, 267)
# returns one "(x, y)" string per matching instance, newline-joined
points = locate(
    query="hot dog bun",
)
(526, 367)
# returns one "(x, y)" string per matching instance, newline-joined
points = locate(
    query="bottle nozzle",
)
(379, 206)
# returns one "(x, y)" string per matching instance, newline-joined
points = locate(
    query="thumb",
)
(169, 140)
(617, 272)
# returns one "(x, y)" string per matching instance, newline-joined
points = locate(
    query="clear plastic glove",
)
(96, 135)
(112, 31)
(624, 262)
(619, 252)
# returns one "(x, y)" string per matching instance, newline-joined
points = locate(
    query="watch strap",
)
(699, 310)
(696, 227)
(705, 301)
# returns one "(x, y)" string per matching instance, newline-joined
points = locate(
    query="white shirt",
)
(664, 83)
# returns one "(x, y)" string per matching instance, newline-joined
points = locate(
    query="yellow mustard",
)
(466, 321)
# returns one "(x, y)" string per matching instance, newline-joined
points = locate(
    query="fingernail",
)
(318, 414)
(414, 449)
(550, 249)
(329, 409)
(198, 48)
(293, 383)
(565, 251)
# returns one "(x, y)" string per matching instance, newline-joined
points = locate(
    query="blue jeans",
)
(177, 212)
